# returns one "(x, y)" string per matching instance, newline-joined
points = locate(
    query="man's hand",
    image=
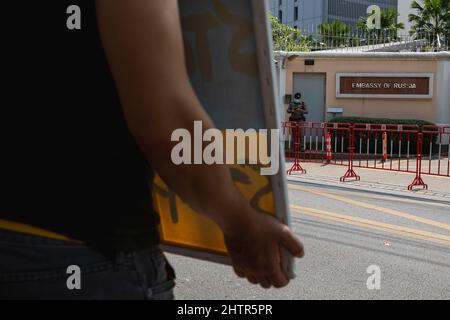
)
(254, 245)
(147, 87)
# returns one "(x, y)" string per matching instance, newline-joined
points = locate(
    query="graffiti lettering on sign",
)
(171, 197)
(249, 177)
(242, 62)
(202, 24)
(255, 188)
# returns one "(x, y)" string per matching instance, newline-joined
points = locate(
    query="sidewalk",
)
(373, 180)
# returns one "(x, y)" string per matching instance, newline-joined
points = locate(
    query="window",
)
(280, 15)
(280, 2)
(295, 13)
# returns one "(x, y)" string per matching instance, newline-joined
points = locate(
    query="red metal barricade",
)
(400, 140)
(392, 147)
(436, 159)
(294, 132)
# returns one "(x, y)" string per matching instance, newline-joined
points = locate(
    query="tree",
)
(286, 38)
(336, 34)
(389, 27)
(432, 20)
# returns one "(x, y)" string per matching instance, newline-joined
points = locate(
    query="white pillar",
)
(281, 86)
(443, 92)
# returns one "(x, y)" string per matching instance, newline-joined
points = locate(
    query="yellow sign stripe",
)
(371, 224)
(24, 228)
(376, 208)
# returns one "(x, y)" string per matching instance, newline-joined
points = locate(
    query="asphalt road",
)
(345, 232)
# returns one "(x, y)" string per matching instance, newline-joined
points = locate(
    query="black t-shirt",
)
(68, 162)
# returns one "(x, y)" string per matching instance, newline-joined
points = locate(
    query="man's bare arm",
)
(143, 42)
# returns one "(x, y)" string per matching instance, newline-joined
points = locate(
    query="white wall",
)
(443, 94)
(281, 85)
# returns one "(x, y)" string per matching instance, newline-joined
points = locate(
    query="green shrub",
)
(362, 136)
(382, 121)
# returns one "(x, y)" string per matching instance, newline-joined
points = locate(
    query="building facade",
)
(320, 78)
(306, 15)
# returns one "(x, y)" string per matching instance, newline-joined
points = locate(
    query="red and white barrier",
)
(385, 146)
(404, 148)
(328, 147)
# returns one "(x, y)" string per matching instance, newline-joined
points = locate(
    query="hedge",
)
(361, 144)
(382, 121)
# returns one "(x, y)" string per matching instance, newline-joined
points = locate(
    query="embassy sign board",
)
(384, 85)
(229, 57)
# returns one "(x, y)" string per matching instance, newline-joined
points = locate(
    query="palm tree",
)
(336, 34)
(431, 19)
(389, 27)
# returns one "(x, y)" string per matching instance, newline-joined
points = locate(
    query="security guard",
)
(297, 109)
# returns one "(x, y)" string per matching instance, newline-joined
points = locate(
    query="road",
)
(345, 232)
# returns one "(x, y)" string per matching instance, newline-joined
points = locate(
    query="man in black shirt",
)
(80, 144)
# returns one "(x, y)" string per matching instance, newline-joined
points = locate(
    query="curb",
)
(399, 194)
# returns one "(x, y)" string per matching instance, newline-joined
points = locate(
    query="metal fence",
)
(383, 41)
(392, 147)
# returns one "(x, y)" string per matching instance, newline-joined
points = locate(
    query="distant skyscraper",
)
(306, 15)
(404, 8)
